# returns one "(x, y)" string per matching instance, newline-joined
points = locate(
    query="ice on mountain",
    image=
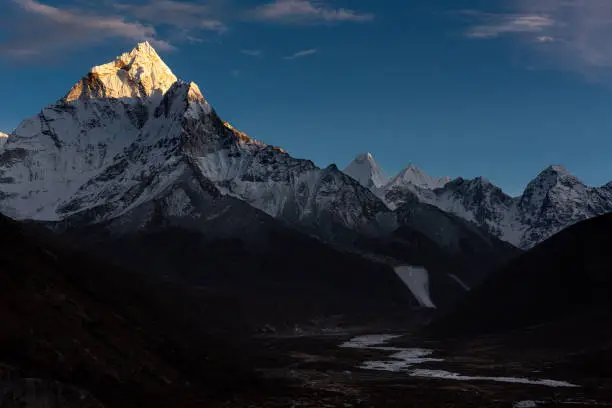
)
(129, 130)
(416, 279)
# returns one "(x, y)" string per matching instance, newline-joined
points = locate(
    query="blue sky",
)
(499, 88)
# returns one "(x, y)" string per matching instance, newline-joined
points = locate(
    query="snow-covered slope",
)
(3, 139)
(554, 200)
(129, 131)
(408, 182)
(366, 171)
(414, 176)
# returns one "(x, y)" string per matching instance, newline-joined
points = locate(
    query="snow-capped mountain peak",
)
(366, 171)
(130, 135)
(417, 177)
(3, 138)
(137, 74)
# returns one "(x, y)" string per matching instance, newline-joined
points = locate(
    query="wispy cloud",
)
(544, 39)
(306, 12)
(572, 35)
(177, 14)
(496, 25)
(252, 53)
(42, 28)
(301, 54)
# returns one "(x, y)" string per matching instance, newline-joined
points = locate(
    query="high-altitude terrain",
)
(138, 165)
(554, 200)
(154, 255)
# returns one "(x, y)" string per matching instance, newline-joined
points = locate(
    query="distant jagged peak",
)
(366, 171)
(135, 74)
(364, 157)
(411, 174)
(553, 175)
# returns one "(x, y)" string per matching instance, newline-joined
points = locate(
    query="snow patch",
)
(417, 280)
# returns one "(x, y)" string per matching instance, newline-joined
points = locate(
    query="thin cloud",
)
(305, 12)
(194, 40)
(544, 39)
(302, 54)
(571, 35)
(175, 14)
(496, 25)
(41, 29)
(252, 53)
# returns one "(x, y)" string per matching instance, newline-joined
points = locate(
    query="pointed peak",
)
(557, 172)
(413, 175)
(551, 177)
(366, 171)
(194, 94)
(483, 181)
(411, 168)
(136, 74)
(364, 157)
(557, 168)
(146, 47)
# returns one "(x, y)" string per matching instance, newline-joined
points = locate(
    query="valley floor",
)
(315, 371)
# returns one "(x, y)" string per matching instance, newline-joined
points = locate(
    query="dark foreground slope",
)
(569, 274)
(279, 275)
(277, 278)
(114, 338)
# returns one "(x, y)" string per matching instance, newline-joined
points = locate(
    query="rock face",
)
(554, 200)
(130, 130)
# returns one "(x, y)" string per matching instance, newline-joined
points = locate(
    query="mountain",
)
(554, 200)
(129, 130)
(136, 166)
(82, 332)
(366, 171)
(567, 275)
(409, 180)
(3, 138)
